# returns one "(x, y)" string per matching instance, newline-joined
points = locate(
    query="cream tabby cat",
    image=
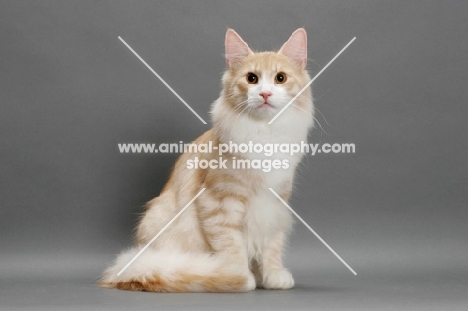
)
(230, 239)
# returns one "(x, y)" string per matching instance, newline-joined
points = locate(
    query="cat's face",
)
(261, 84)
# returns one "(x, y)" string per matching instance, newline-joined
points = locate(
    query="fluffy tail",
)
(157, 271)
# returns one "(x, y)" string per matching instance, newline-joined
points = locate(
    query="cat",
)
(230, 239)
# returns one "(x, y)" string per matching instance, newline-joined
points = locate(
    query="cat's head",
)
(261, 84)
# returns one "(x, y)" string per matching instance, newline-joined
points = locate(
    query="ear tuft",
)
(236, 48)
(296, 48)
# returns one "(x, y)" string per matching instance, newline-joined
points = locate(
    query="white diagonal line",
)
(312, 230)
(313, 79)
(162, 80)
(160, 232)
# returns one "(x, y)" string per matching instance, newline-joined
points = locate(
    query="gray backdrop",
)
(396, 210)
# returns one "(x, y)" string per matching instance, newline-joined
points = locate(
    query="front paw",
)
(278, 279)
(250, 284)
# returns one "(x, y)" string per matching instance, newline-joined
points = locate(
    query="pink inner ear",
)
(236, 48)
(296, 48)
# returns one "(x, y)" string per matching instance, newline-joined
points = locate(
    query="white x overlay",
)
(313, 231)
(162, 80)
(160, 232)
(203, 189)
(310, 82)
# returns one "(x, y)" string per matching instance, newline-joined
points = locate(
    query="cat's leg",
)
(275, 276)
(183, 234)
(222, 224)
(256, 269)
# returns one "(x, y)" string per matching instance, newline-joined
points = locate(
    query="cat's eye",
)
(280, 77)
(252, 78)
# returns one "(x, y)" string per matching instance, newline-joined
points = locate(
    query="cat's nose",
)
(265, 95)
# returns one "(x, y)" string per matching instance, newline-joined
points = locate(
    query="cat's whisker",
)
(248, 114)
(246, 107)
(322, 115)
(236, 109)
(321, 128)
(309, 113)
(315, 109)
(313, 116)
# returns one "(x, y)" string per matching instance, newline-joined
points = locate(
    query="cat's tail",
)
(158, 271)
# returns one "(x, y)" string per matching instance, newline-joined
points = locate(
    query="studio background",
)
(396, 210)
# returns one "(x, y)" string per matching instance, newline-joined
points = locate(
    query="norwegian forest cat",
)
(230, 239)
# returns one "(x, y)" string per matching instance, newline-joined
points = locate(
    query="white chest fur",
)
(266, 215)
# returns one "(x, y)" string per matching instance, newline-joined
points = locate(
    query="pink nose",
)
(265, 95)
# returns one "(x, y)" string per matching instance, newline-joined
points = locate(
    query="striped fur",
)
(231, 238)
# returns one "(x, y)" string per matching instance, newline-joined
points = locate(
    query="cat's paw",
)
(278, 279)
(250, 284)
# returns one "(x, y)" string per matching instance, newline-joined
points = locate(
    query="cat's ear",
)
(296, 48)
(236, 48)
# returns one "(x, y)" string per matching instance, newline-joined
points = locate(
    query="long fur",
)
(173, 272)
(231, 238)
